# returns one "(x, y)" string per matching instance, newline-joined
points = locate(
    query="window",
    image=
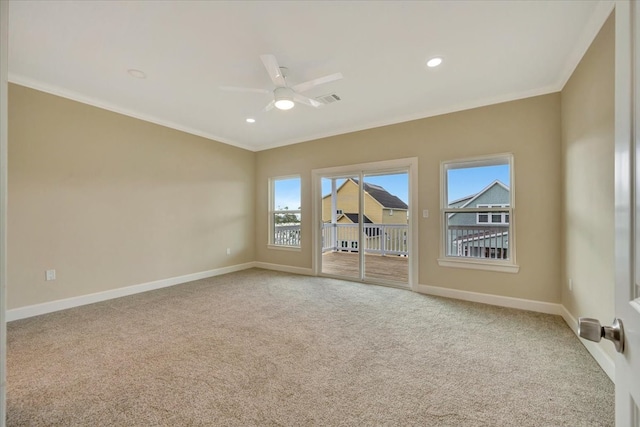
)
(493, 218)
(284, 212)
(477, 214)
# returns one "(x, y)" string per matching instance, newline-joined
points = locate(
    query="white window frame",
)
(491, 264)
(273, 212)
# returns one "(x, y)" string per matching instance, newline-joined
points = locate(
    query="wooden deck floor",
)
(395, 268)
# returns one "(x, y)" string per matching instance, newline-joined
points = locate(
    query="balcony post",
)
(334, 215)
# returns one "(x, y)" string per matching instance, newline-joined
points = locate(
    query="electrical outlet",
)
(228, 251)
(50, 275)
(571, 285)
(425, 213)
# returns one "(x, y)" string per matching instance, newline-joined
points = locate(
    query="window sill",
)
(478, 265)
(285, 248)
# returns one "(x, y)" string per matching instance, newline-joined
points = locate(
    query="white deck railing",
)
(382, 239)
(478, 241)
(391, 239)
(287, 235)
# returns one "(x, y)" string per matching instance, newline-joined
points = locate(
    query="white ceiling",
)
(493, 51)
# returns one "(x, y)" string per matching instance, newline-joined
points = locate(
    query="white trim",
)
(626, 201)
(604, 360)
(598, 18)
(464, 106)
(410, 164)
(474, 264)
(601, 357)
(74, 96)
(510, 265)
(476, 162)
(589, 33)
(273, 211)
(502, 301)
(284, 268)
(63, 304)
(285, 248)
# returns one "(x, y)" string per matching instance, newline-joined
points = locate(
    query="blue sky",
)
(468, 181)
(462, 182)
(287, 193)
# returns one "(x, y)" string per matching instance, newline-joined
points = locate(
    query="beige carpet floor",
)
(261, 348)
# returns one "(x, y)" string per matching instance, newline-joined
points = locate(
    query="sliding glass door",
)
(386, 226)
(364, 230)
(340, 231)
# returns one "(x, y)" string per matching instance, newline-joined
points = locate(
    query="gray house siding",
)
(496, 195)
(468, 237)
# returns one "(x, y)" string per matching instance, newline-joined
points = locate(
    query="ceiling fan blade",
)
(302, 87)
(271, 64)
(270, 106)
(243, 89)
(306, 100)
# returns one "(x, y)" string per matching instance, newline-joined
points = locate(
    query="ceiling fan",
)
(284, 96)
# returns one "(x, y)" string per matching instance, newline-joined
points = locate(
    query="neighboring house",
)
(380, 206)
(480, 234)
(385, 219)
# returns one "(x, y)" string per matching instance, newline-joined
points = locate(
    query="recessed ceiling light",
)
(251, 120)
(434, 62)
(137, 74)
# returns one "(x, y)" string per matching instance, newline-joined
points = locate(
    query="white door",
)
(4, 49)
(625, 329)
(627, 205)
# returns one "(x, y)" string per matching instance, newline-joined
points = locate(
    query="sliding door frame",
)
(410, 165)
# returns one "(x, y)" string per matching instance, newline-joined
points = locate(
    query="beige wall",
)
(528, 128)
(110, 201)
(588, 177)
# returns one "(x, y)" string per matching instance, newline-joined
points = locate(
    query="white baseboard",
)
(284, 268)
(601, 357)
(502, 301)
(604, 360)
(63, 304)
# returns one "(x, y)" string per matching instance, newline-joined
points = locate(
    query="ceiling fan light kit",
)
(284, 98)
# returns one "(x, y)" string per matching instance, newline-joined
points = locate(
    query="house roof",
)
(462, 199)
(473, 197)
(353, 217)
(382, 196)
